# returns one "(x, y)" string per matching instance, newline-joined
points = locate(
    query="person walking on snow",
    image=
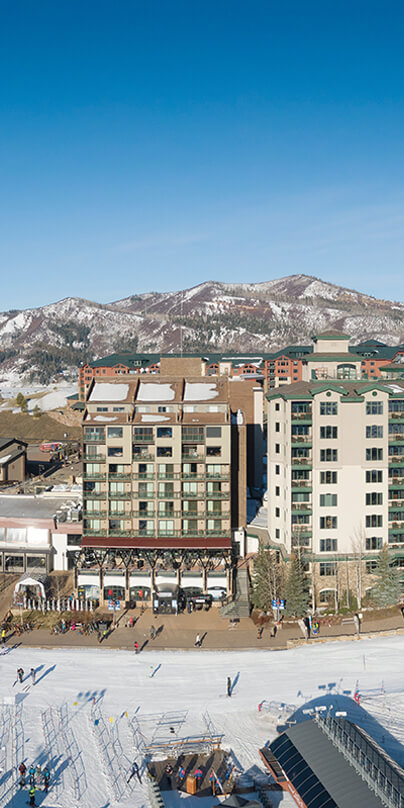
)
(46, 778)
(33, 675)
(152, 632)
(31, 776)
(22, 769)
(20, 674)
(228, 686)
(32, 796)
(136, 647)
(3, 637)
(135, 771)
(198, 641)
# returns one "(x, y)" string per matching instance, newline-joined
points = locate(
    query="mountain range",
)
(41, 343)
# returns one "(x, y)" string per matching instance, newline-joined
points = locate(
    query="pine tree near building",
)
(297, 592)
(267, 582)
(387, 589)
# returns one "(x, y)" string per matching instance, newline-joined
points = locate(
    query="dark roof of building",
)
(322, 774)
(4, 442)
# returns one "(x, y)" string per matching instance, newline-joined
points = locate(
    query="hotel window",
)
(374, 498)
(213, 451)
(115, 432)
(164, 432)
(328, 408)
(374, 520)
(328, 567)
(328, 545)
(328, 522)
(374, 408)
(328, 455)
(374, 543)
(374, 454)
(374, 431)
(164, 451)
(328, 499)
(328, 477)
(328, 432)
(374, 476)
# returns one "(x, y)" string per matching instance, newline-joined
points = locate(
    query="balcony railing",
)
(301, 461)
(397, 525)
(301, 484)
(169, 475)
(143, 514)
(92, 458)
(140, 458)
(98, 532)
(223, 475)
(169, 495)
(396, 460)
(119, 514)
(120, 475)
(396, 416)
(123, 495)
(94, 475)
(143, 438)
(396, 438)
(93, 514)
(144, 475)
(191, 475)
(94, 438)
(94, 494)
(301, 438)
(117, 532)
(394, 481)
(193, 458)
(194, 437)
(218, 495)
(301, 416)
(194, 495)
(144, 495)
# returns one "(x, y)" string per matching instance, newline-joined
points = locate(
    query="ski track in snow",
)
(54, 722)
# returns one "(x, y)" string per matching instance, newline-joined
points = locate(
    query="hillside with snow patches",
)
(50, 340)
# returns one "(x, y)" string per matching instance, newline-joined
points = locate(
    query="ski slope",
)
(81, 716)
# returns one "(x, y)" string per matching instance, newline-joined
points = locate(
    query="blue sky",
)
(154, 144)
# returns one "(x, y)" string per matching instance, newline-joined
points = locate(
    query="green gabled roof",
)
(349, 389)
(395, 368)
(128, 359)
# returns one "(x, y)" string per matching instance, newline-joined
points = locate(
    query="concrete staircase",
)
(240, 605)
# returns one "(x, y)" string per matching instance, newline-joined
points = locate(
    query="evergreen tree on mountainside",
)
(297, 593)
(387, 589)
(267, 580)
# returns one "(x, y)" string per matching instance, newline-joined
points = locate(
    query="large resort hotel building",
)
(336, 474)
(165, 478)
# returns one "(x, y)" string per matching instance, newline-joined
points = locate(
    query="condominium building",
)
(165, 479)
(290, 364)
(336, 473)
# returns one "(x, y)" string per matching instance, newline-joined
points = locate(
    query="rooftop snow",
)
(155, 392)
(152, 417)
(105, 418)
(5, 459)
(200, 391)
(105, 391)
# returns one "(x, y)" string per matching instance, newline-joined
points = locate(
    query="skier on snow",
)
(20, 674)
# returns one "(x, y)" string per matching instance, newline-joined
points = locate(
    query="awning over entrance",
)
(122, 543)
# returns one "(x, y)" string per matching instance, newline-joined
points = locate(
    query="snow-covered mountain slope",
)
(235, 317)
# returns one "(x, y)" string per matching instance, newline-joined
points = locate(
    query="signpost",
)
(277, 605)
(114, 606)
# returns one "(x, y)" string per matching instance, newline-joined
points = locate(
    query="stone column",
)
(204, 579)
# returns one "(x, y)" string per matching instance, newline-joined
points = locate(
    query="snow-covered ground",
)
(81, 715)
(52, 397)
